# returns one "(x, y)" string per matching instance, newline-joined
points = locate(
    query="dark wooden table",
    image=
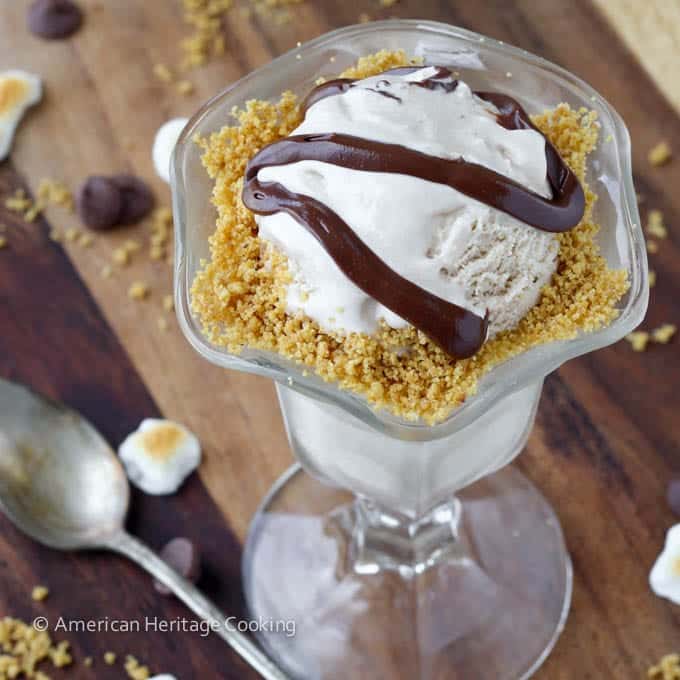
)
(607, 436)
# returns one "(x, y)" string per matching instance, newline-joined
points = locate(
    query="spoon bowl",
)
(60, 482)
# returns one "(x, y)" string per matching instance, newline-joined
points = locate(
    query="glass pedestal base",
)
(490, 606)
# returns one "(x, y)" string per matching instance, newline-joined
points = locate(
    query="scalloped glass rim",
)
(505, 378)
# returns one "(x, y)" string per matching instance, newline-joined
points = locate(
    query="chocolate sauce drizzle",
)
(458, 331)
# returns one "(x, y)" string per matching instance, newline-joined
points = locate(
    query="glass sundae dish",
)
(402, 545)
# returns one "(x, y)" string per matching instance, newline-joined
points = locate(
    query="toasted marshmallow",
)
(664, 578)
(159, 456)
(19, 90)
(164, 144)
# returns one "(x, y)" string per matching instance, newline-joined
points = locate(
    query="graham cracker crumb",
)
(139, 291)
(162, 323)
(85, 240)
(667, 669)
(135, 670)
(239, 296)
(88, 661)
(206, 21)
(109, 658)
(50, 192)
(161, 233)
(364, 18)
(652, 247)
(72, 234)
(53, 192)
(39, 593)
(106, 271)
(664, 334)
(184, 87)
(23, 649)
(388, 3)
(163, 73)
(638, 340)
(168, 303)
(60, 656)
(659, 154)
(651, 277)
(18, 202)
(655, 224)
(32, 213)
(3, 242)
(121, 256)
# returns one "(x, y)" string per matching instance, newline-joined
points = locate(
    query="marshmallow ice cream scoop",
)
(458, 248)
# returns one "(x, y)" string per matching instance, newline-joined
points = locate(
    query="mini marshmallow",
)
(164, 145)
(664, 577)
(19, 90)
(159, 456)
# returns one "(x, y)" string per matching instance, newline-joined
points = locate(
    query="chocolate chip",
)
(100, 203)
(673, 495)
(138, 201)
(182, 556)
(54, 19)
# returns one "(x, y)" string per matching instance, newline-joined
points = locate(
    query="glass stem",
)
(382, 540)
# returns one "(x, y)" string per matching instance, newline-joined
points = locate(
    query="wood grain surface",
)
(607, 436)
(652, 32)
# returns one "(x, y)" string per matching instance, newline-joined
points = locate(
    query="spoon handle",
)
(133, 548)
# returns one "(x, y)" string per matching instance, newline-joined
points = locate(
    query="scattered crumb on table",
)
(659, 154)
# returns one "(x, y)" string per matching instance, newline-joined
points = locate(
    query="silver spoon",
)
(61, 483)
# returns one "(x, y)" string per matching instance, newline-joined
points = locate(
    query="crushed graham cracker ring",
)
(239, 295)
